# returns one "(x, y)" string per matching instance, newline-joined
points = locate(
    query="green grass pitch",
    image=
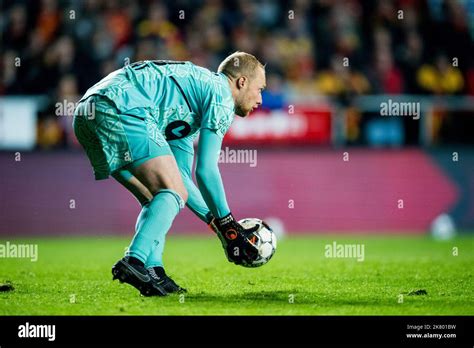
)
(72, 277)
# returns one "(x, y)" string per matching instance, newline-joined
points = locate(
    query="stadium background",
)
(327, 161)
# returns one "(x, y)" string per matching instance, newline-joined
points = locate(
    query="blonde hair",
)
(238, 64)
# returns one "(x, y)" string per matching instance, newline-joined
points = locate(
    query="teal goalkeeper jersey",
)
(181, 97)
(175, 100)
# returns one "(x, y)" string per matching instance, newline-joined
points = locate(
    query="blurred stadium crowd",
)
(60, 48)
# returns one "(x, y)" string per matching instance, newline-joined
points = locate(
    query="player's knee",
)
(183, 193)
(179, 190)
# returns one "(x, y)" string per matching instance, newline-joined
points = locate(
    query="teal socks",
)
(153, 223)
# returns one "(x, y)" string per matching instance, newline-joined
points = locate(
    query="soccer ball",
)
(443, 227)
(263, 238)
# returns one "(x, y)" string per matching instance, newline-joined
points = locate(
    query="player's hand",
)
(235, 239)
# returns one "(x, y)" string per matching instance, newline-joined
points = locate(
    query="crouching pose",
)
(138, 125)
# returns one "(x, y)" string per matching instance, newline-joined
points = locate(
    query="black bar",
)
(242, 331)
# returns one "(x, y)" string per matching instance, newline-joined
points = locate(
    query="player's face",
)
(251, 94)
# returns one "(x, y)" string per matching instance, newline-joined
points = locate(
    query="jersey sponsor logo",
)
(177, 130)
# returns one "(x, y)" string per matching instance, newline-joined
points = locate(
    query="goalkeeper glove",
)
(235, 239)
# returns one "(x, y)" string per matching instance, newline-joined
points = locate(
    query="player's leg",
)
(161, 177)
(94, 119)
(154, 262)
(132, 184)
(161, 195)
(157, 181)
(111, 139)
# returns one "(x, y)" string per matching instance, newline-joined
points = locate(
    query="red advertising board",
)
(304, 125)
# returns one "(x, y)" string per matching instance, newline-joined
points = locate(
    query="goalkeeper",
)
(138, 125)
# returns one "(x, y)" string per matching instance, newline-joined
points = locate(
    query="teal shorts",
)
(125, 173)
(114, 140)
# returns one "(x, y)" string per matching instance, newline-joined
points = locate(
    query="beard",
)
(239, 111)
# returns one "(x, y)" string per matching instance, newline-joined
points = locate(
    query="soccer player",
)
(138, 125)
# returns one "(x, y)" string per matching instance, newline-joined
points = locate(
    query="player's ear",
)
(241, 82)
